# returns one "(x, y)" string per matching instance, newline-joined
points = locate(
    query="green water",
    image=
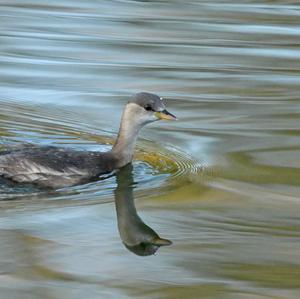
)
(222, 183)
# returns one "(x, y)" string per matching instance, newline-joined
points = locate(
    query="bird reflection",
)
(135, 234)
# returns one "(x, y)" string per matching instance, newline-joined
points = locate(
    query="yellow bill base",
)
(162, 115)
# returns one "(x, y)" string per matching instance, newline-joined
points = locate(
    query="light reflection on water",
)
(222, 183)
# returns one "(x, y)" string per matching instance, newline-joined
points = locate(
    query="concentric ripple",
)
(157, 168)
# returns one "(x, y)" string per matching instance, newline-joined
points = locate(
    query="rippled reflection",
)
(138, 237)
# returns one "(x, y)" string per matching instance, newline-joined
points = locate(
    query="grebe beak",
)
(165, 115)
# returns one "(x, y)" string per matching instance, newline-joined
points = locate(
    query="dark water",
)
(223, 183)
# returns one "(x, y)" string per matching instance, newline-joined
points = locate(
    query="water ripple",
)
(156, 168)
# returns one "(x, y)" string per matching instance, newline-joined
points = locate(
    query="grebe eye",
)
(148, 108)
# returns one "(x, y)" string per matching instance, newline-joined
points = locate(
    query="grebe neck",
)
(123, 148)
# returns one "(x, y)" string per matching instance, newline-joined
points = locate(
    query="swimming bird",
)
(56, 167)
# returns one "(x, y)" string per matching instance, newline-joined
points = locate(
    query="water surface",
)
(222, 183)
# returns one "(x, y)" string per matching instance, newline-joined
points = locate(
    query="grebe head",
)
(148, 107)
(143, 108)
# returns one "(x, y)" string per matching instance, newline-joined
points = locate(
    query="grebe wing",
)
(50, 166)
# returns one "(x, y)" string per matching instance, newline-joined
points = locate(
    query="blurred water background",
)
(223, 183)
